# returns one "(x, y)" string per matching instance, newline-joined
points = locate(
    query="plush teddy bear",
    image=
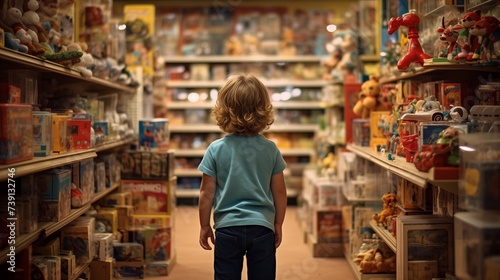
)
(389, 208)
(368, 99)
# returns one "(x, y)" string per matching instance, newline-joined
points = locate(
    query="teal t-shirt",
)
(243, 167)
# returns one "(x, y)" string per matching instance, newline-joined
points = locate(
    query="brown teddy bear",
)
(390, 200)
(368, 99)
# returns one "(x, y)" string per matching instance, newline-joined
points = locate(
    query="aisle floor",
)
(294, 258)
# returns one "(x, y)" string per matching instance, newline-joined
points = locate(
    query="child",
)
(243, 181)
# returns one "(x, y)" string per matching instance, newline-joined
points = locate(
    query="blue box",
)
(154, 134)
(42, 133)
(101, 127)
(54, 189)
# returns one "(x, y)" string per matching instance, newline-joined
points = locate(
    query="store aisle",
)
(294, 257)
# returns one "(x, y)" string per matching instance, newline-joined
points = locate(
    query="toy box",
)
(54, 188)
(42, 133)
(427, 238)
(27, 82)
(106, 220)
(103, 246)
(328, 194)
(80, 133)
(148, 197)
(83, 178)
(361, 132)
(68, 266)
(476, 239)
(128, 252)
(479, 171)
(116, 198)
(145, 164)
(154, 134)
(9, 94)
(412, 196)
(78, 236)
(102, 127)
(61, 140)
(124, 214)
(102, 269)
(381, 127)
(451, 95)
(141, 220)
(16, 133)
(100, 177)
(111, 168)
(326, 225)
(53, 264)
(157, 243)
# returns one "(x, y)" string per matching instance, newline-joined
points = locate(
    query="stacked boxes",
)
(78, 237)
(54, 188)
(16, 133)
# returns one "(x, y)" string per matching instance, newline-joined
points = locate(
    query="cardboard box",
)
(100, 177)
(103, 246)
(16, 133)
(106, 220)
(42, 133)
(54, 188)
(102, 269)
(9, 94)
(148, 197)
(80, 133)
(154, 134)
(78, 237)
(61, 140)
(83, 178)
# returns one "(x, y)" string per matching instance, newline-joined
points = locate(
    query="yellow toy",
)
(368, 99)
(389, 208)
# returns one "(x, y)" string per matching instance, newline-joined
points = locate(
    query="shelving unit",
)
(367, 276)
(302, 106)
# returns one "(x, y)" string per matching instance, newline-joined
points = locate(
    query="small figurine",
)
(488, 31)
(369, 99)
(449, 35)
(468, 42)
(415, 52)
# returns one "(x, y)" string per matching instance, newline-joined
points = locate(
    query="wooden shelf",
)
(482, 4)
(182, 105)
(16, 60)
(240, 59)
(384, 235)
(38, 164)
(440, 72)
(113, 144)
(79, 270)
(404, 169)
(366, 276)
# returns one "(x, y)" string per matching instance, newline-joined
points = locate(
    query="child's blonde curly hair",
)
(243, 106)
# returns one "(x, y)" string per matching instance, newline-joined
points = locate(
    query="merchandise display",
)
(387, 114)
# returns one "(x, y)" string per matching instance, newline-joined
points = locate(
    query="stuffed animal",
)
(488, 31)
(368, 99)
(468, 42)
(14, 43)
(12, 18)
(389, 208)
(86, 60)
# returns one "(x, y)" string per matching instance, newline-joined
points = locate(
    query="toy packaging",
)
(27, 82)
(451, 95)
(140, 21)
(83, 178)
(476, 239)
(128, 252)
(327, 225)
(100, 176)
(479, 176)
(61, 141)
(80, 133)
(148, 197)
(54, 188)
(102, 269)
(78, 236)
(42, 133)
(361, 132)
(103, 246)
(52, 264)
(145, 164)
(16, 133)
(106, 220)
(141, 220)
(9, 94)
(154, 134)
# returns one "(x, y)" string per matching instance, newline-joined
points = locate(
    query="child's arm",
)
(278, 189)
(205, 203)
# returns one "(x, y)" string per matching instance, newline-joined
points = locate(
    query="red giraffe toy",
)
(415, 52)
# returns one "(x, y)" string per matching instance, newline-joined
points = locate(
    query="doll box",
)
(154, 134)
(80, 133)
(83, 178)
(16, 133)
(476, 239)
(54, 188)
(479, 171)
(42, 133)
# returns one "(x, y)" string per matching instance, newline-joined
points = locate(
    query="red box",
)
(16, 133)
(451, 95)
(10, 94)
(148, 197)
(351, 92)
(80, 133)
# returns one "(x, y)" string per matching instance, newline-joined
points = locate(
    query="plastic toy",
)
(389, 208)
(415, 52)
(468, 42)
(368, 99)
(449, 35)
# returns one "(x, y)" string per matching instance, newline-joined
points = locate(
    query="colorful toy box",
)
(145, 164)
(42, 133)
(148, 197)
(10, 94)
(27, 82)
(154, 134)
(476, 239)
(381, 127)
(78, 236)
(451, 95)
(80, 133)
(61, 140)
(106, 220)
(141, 220)
(83, 178)
(16, 133)
(54, 188)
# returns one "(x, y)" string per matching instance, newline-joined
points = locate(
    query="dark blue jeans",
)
(233, 243)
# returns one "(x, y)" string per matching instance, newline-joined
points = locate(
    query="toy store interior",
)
(386, 112)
